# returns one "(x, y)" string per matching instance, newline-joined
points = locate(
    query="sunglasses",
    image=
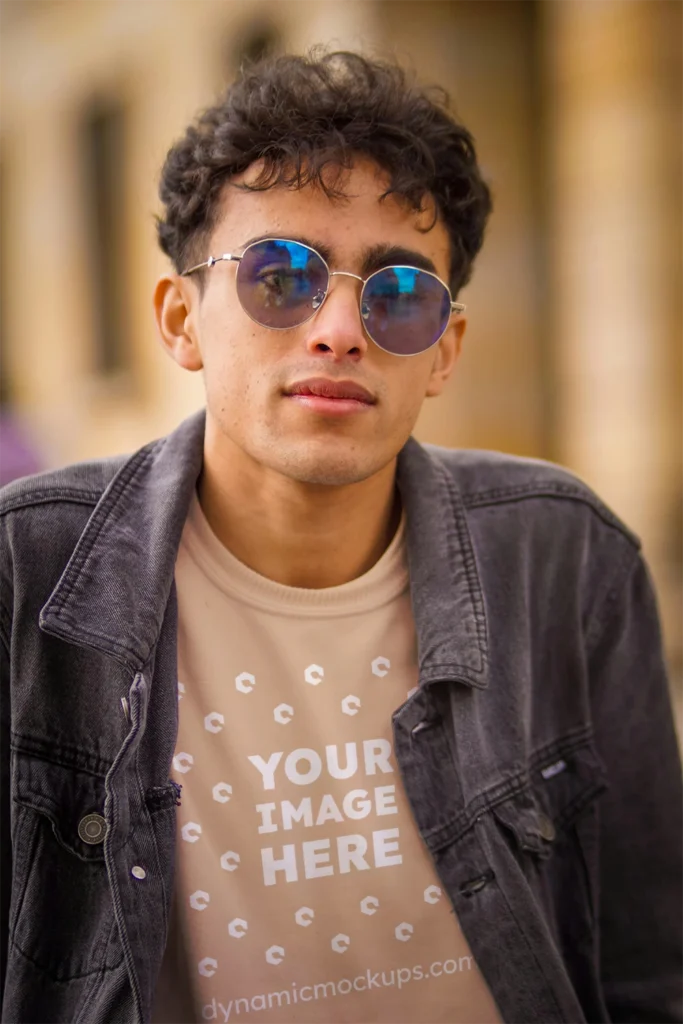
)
(281, 284)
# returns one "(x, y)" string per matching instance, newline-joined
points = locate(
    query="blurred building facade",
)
(573, 350)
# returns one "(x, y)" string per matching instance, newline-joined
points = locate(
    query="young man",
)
(303, 721)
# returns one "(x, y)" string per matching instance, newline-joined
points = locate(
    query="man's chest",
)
(301, 876)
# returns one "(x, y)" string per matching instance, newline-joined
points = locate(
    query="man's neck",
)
(298, 534)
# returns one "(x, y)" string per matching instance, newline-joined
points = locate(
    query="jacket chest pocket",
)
(552, 827)
(62, 916)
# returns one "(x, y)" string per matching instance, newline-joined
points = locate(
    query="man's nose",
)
(337, 326)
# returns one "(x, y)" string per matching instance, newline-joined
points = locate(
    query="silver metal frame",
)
(456, 307)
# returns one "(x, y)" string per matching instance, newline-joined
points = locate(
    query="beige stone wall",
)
(614, 78)
(480, 52)
(165, 59)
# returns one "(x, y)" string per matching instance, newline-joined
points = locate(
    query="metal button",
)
(546, 827)
(138, 872)
(92, 829)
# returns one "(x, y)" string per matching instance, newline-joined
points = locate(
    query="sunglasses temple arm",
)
(210, 262)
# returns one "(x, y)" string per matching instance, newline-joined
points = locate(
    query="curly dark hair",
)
(307, 116)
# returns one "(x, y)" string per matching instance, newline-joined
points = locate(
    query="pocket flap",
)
(565, 779)
(65, 796)
(522, 816)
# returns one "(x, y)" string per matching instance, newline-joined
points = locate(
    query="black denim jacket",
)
(538, 753)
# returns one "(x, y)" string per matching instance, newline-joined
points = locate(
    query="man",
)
(303, 721)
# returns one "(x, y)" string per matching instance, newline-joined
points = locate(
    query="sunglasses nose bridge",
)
(341, 329)
(341, 273)
(356, 277)
(346, 273)
(322, 294)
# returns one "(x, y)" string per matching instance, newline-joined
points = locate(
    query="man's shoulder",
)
(538, 487)
(84, 483)
(41, 519)
(81, 483)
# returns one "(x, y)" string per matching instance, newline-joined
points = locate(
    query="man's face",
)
(250, 370)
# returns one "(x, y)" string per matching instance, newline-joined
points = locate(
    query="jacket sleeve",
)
(641, 831)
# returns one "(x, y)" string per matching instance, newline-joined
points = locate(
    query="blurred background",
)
(573, 351)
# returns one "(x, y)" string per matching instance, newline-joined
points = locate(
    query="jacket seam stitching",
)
(609, 604)
(111, 646)
(22, 745)
(100, 974)
(146, 811)
(19, 891)
(489, 799)
(470, 676)
(471, 572)
(568, 744)
(5, 634)
(125, 477)
(529, 946)
(53, 977)
(52, 495)
(562, 493)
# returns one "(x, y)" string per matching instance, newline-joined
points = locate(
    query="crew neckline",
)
(385, 581)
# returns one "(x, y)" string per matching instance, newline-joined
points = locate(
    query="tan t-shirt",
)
(304, 891)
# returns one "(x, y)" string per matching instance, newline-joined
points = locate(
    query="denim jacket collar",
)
(114, 591)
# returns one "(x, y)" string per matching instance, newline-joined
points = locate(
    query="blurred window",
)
(104, 157)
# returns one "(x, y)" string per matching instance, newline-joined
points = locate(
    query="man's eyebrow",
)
(384, 255)
(373, 258)
(312, 243)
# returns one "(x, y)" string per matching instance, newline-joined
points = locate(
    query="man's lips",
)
(321, 387)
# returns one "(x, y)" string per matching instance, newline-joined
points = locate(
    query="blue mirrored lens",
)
(280, 284)
(405, 310)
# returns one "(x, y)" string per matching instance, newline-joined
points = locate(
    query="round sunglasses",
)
(281, 284)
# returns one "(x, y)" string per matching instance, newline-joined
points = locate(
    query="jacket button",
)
(92, 829)
(546, 828)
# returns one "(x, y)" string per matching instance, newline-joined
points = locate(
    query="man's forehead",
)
(362, 224)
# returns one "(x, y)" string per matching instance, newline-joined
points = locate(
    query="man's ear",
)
(446, 356)
(176, 301)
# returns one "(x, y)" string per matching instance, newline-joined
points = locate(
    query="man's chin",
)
(327, 474)
(327, 467)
